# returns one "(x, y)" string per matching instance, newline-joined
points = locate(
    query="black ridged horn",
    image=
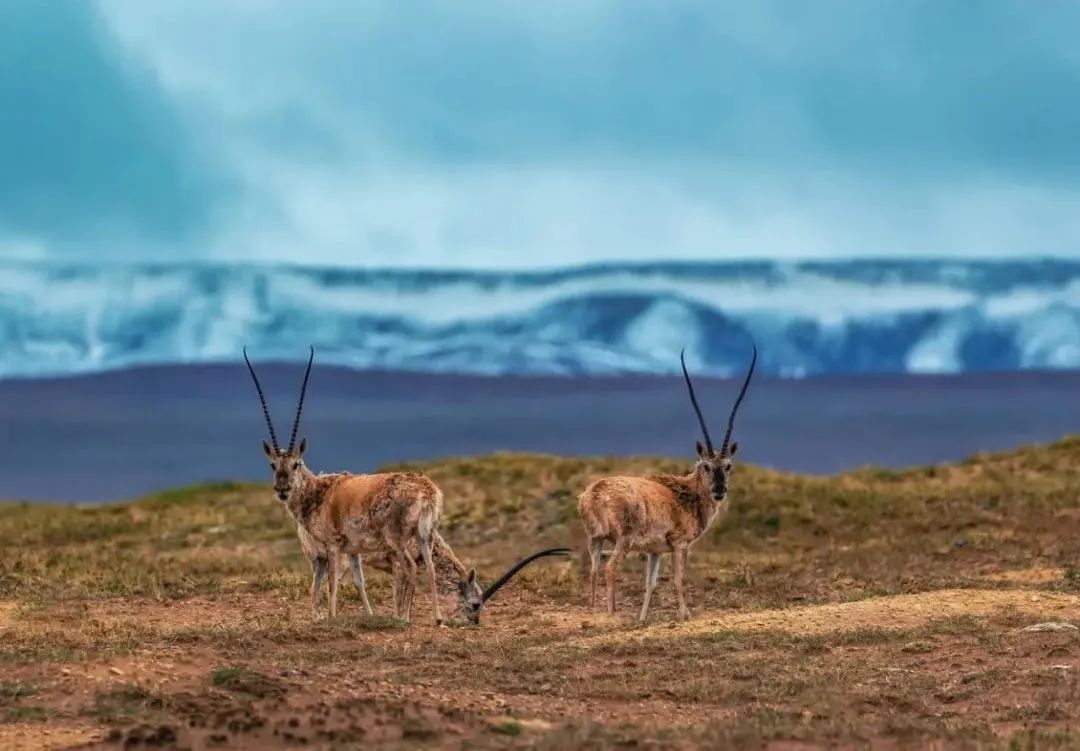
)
(490, 591)
(262, 400)
(735, 409)
(300, 404)
(693, 401)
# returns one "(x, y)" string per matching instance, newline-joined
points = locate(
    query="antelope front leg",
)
(681, 555)
(612, 570)
(318, 573)
(335, 580)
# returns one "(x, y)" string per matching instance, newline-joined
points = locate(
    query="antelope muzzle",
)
(282, 486)
(473, 616)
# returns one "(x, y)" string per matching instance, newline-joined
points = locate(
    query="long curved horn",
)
(693, 400)
(490, 591)
(262, 400)
(300, 404)
(742, 393)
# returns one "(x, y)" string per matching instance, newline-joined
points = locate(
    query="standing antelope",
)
(392, 515)
(354, 514)
(658, 513)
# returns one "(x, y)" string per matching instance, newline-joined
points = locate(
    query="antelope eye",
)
(296, 465)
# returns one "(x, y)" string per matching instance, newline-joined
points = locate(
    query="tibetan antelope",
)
(354, 514)
(456, 579)
(390, 517)
(658, 513)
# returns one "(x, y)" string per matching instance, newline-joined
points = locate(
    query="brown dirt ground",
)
(875, 609)
(895, 613)
(538, 673)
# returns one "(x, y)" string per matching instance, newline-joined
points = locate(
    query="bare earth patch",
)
(898, 613)
(7, 612)
(1041, 575)
(21, 736)
(567, 678)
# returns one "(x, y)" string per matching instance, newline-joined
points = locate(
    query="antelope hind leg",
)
(357, 566)
(429, 564)
(652, 573)
(596, 549)
(611, 571)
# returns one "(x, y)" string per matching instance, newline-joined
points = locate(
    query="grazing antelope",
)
(658, 513)
(391, 517)
(457, 580)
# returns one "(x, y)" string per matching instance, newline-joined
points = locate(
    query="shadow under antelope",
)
(659, 513)
(390, 517)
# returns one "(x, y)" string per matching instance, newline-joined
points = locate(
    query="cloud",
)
(92, 150)
(510, 134)
(833, 83)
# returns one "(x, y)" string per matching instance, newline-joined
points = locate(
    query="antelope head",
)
(473, 597)
(288, 464)
(713, 464)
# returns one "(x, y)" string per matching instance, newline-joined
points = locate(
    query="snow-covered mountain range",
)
(807, 318)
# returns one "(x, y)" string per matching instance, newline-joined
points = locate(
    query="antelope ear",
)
(268, 451)
(471, 579)
(734, 448)
(701, 450)
(303, 447)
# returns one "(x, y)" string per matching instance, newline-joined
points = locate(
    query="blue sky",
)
(502, 134)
